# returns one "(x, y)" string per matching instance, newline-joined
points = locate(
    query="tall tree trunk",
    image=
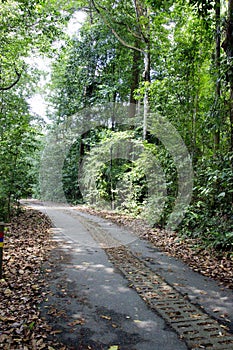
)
(231, 118)
(228, 48)
(143, 34)
(147, 68)
(91, 12)
(142, 11)
(194, 125)
(135, 78)
(146, 93)
(217, 67)
(113, 116)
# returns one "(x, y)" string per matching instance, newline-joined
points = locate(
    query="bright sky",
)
(76, 22)
(37, 102)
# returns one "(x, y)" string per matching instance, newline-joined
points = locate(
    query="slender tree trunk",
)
(194, 125)
(228, 48)
(134, 80)
(91, 12)
(146, 93)
(217, 66)
(111, 182)
(231, 119)
(113, 117)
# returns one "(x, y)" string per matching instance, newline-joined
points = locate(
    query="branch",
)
(137, 36)
(122, 41)
(14, 83)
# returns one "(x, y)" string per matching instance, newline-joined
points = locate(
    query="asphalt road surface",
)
(111, 290)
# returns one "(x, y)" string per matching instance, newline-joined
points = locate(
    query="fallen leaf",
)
(7, 292)
(216, 310)
(27, 244)
(76, 322)
(224, 327)
(106, 317)
(56, 331)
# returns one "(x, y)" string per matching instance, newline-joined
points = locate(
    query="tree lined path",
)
(139, 119)
(128, 293)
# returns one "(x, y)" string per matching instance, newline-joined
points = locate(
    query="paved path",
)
(112, 288)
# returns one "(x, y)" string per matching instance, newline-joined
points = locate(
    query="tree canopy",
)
(170, 62)
(27, 28)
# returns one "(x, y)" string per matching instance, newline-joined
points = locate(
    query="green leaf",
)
(31, 326)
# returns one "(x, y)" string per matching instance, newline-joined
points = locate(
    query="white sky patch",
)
(37, 102)
(39, 106)
(76, 22)
(40, 62)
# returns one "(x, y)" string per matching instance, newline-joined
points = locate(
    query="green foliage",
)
(17, 144)
(104, 166)
(204, 8)
(98, 66)
(91, 69)
(210, 214)
(70, 174)
(124, 173)
(26, 27)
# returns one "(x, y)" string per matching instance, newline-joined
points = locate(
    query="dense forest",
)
(140, 108)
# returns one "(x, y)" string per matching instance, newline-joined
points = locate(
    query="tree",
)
(17, 143)
(169, 53)
(26, 28)
(228, 48)
(137, 36)
(93, 68)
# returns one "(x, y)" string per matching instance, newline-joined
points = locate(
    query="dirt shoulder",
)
(28, 243)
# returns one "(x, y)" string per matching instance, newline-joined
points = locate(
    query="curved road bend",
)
(113, 288)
